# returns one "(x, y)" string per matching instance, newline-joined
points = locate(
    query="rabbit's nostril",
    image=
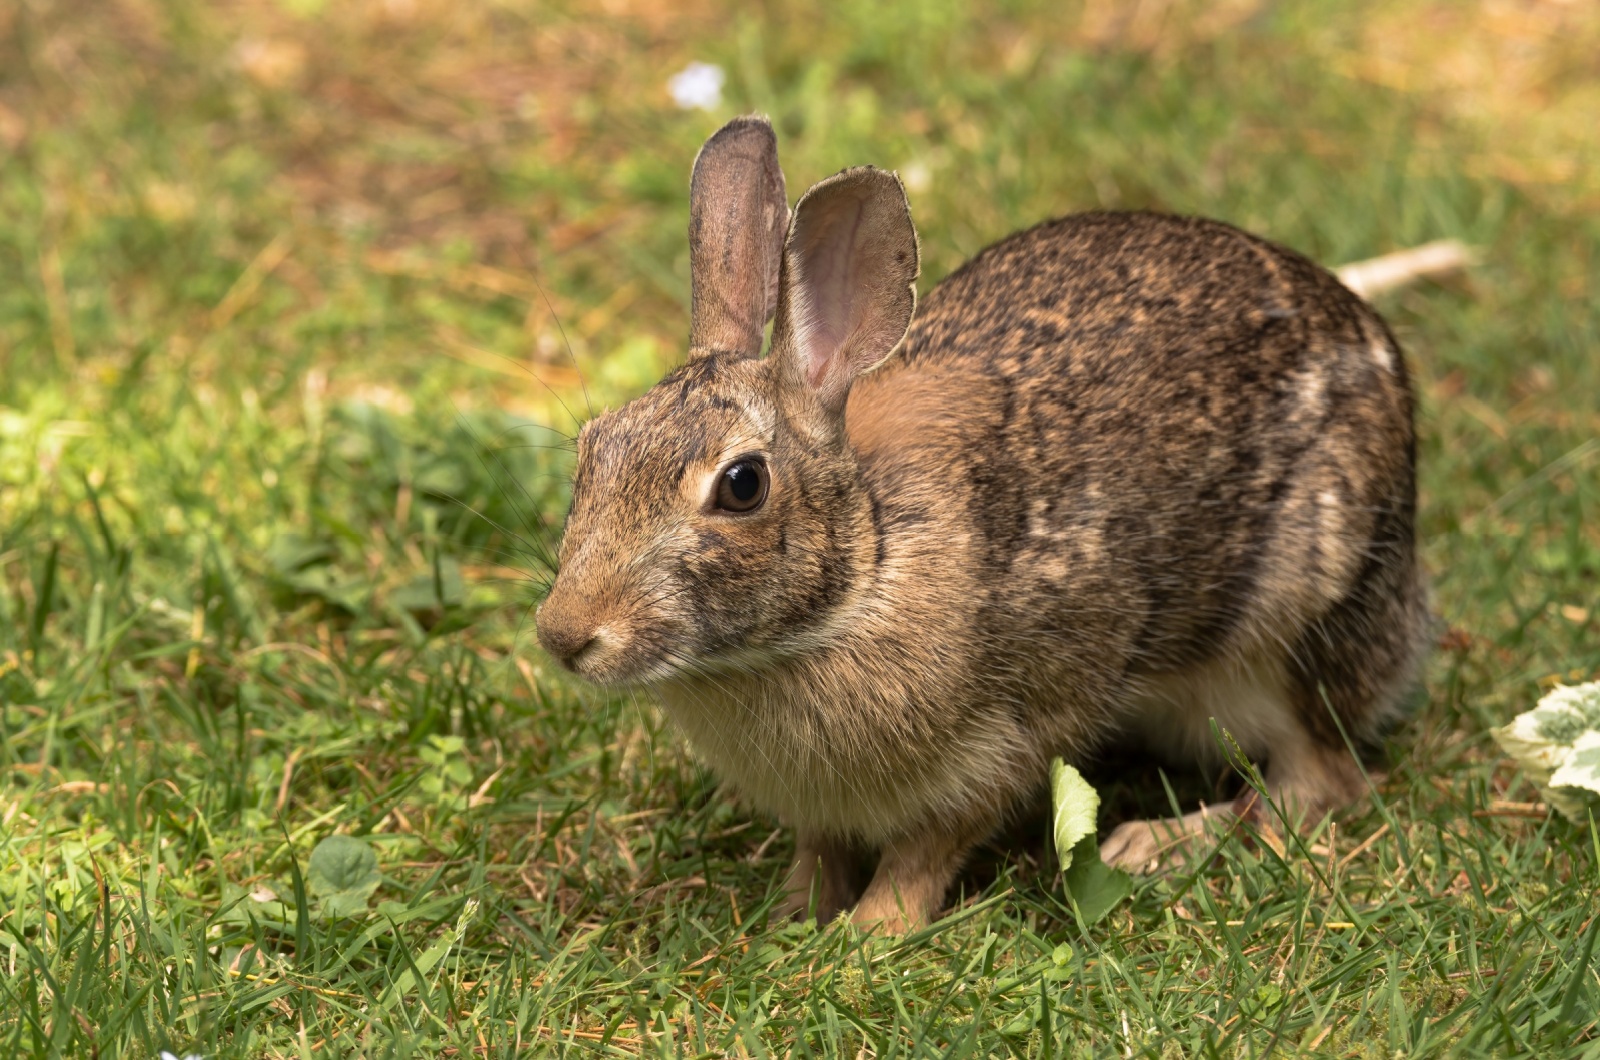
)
(567, 647)
(570, 659)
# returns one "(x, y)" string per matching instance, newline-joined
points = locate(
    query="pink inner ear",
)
(848, 272)
(830, 292)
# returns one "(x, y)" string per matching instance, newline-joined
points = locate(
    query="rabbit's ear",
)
(849, 284)
(737, 217)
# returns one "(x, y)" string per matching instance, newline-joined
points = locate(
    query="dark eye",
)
(743, 487)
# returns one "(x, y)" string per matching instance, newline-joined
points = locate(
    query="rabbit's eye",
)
(743, 487)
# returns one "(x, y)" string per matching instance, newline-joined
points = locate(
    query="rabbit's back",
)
(1170, 443)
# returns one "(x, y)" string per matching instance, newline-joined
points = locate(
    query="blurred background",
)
(300, 301)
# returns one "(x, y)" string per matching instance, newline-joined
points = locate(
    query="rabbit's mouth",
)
(611, 656)
(604, 658)
(649, 661)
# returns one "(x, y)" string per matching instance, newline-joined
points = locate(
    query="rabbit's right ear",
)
(848, 291)
(738, 215)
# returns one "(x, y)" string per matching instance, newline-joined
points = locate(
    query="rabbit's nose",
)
(565, 635)
(565, 643)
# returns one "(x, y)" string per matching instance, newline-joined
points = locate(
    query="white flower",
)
(187, 1056)
(697, 86)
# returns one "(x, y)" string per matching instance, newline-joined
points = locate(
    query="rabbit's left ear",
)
(848, 287)
(737, 216)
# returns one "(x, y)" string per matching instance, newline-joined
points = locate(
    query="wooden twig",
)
(1386, 272)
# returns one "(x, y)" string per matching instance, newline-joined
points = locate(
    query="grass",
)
(296, 298)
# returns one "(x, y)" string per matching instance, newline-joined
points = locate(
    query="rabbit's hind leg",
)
(1305, 781)
(1247, 704)
(1145, 846)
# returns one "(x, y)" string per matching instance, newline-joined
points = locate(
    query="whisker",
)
(529, 549)
(541, 531)
(571, 353)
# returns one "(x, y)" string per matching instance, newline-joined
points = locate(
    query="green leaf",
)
(411, 978)
(344, 903)
(1076, 805)
(1094, 887)
(440, 588)
(328, 584)
(1557, 744)
(1579, 775)
(343, 873)
(1585, 758)
(290, 553)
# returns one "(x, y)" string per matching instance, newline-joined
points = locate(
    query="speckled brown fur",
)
(1125, 474)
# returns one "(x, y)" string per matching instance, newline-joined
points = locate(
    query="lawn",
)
(300, 302)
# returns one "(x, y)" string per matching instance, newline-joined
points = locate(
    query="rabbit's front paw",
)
(884, 915)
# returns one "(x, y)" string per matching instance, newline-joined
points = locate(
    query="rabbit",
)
(1122, 475)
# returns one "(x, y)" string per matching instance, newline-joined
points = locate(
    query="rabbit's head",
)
(719, 521)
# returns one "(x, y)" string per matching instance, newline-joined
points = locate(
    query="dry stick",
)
(1533, 810)
(1374, 276)
(1320, 1035)
(60, 308)
(761, 850)
(288, 778)
(249, 281)
(1382, 831)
